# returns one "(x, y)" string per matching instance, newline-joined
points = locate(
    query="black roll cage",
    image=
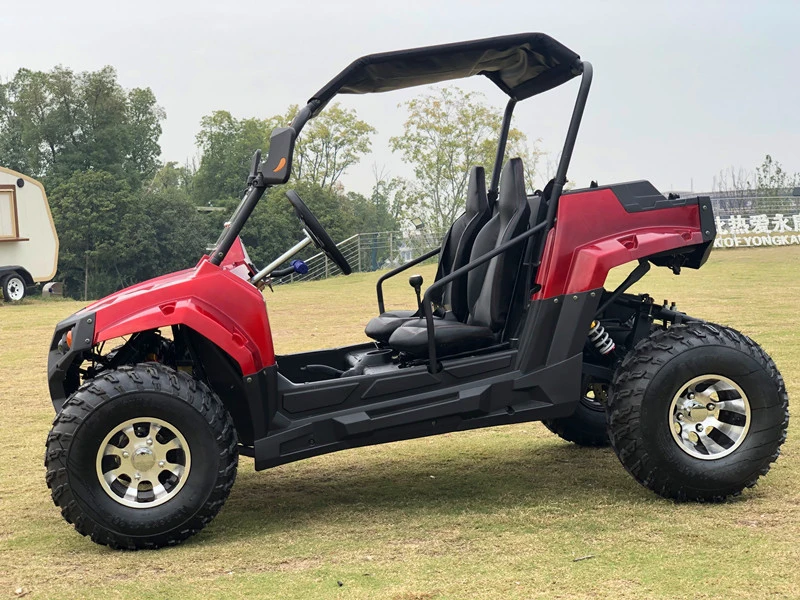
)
(400, 269)
(558, 186)
(427, 303)
(260, 184)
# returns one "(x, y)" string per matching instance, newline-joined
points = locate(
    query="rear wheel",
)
(141, 457)
(13, 288)
(697, 412)
(587, 425)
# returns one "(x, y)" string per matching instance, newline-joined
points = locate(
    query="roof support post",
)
(566, 153)
(305, 114)
(501, 150)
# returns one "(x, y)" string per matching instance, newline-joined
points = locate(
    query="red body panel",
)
(214, 301)
(593, 234)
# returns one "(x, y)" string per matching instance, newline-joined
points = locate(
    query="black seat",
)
(456, 251)
(526, 280)
(490, 287)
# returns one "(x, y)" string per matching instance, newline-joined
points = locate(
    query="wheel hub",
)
(143, 459)
(709, 417)
(695, 412)
(143, 462)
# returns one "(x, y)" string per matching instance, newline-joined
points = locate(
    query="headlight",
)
(66, 342)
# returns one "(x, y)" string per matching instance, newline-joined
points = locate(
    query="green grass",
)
(495, 513)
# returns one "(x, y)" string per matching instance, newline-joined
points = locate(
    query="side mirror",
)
(278, 166)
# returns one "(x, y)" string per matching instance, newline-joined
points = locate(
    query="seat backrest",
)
(457, 244)
(491, 289)
(537, 203)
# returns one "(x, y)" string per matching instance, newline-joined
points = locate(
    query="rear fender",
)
(595, 231)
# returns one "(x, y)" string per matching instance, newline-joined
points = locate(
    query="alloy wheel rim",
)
(709, 417)
(143, 462)
(15, 288)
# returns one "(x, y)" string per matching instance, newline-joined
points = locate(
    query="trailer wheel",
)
(141, 457)
(13, 288)
(587, 425)
(697, 412)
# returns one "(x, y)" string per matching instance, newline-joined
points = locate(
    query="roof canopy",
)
(521, 65)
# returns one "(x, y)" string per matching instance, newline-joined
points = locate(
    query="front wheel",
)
(141, 457)
(697, 412)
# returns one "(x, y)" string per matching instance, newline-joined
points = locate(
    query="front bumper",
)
(62, 367)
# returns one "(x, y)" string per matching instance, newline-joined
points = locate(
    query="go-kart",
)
(517, 326)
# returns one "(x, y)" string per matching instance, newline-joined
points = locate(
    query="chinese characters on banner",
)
(739, 231)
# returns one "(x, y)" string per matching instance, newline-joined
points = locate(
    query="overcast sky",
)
(681, 89)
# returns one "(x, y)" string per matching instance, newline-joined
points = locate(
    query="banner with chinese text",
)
(740, 231)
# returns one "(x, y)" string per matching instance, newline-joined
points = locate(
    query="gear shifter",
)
(415, 281)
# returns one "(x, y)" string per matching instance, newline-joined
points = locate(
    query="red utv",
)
(516, 327)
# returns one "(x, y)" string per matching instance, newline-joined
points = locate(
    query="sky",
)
(681, 90)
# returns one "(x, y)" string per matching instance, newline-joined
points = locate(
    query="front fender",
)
(203, 317)
(211, 300)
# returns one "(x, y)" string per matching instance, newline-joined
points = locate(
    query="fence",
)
(742, 221)
(744, 205)
(751, 221)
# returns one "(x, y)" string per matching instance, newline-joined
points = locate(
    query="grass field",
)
(495, 513)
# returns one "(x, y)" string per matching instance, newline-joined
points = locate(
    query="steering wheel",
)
(317, 232)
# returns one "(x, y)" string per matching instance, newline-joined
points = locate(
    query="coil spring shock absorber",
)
(600, 338)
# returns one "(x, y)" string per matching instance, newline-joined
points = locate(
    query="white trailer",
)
(28, 238)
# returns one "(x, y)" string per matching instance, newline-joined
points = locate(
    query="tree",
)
(445, 134)
(28, 125)
(227, 145)
(545, 170)
(173, 235)
(58, 122)
(531, 156)
(743, 190)
(112, 237)
(332, 142)
(772, 180)
(736, 188)
(144, 129)
(88, 210)
(390, 196)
